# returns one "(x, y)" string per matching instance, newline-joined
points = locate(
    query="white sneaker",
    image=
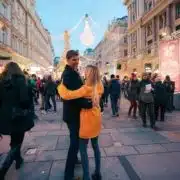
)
(44, 112)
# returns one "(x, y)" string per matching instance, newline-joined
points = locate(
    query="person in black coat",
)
(115, 92)
(50, 93)
(160, 97)
(106, 91)
(15, 112)
(71, 110)
(133, 89)
(146, 100)
(170, 88)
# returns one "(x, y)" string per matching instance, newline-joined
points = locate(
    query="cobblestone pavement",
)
(129, 152)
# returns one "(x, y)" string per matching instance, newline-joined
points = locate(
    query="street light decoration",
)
(87, 37)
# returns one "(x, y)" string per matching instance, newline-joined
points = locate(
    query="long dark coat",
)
(133, 90)
(160, 94)
(14, 92)
(71, 108)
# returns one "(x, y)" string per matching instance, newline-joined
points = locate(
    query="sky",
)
(60, 15)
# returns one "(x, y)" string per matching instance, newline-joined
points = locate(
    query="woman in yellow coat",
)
(90, 119)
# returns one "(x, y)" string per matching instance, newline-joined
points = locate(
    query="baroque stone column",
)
(168, 18)
(129, 17)
(141, 8)
(153, 30)
(173, 15)
(129, 44)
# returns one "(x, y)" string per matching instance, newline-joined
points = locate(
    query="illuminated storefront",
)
(4, 59)
(169, 60)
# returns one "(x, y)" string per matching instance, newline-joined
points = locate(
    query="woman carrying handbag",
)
(16, 113)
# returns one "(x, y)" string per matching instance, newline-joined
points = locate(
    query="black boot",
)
(2, 174)
(18, 158)
(19, 163)
(96, 176)
(129, 113)
(7, 163)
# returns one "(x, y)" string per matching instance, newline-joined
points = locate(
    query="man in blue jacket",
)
(115, 92)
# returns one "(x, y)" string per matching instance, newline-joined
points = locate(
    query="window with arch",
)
(162, 20)
(149, 29)
(4, 35)
(148, 4)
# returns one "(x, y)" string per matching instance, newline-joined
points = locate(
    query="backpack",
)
(146, 97)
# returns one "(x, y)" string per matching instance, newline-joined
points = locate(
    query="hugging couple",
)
(82, 114)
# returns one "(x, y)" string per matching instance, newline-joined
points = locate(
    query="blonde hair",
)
(93, 79)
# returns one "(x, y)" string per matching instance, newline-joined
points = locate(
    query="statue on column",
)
(66, 48)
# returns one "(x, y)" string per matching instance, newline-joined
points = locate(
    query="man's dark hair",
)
(117, 76)
(168, 78)
(71, 53)
(112, 76)
(49, 78)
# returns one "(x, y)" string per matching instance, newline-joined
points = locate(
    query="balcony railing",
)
(149, 51)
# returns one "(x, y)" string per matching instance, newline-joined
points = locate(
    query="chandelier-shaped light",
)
(87, 37)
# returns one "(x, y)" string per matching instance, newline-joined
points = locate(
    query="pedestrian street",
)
(128, 151)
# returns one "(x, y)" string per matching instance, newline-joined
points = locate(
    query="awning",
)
(5, 55)
(21, 60)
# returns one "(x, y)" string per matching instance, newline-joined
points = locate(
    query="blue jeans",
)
(73, 150)
(47, 101)
(83, 143)
(114, 104)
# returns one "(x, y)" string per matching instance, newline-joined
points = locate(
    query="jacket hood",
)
(114, 81)
(9, 81)
(134, 81)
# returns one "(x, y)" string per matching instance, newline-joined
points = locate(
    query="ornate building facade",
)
(23, 37)
(149, 21)
(112, 50)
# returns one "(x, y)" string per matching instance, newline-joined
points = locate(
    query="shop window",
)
(162, 20)
(178, 11)
(133, 18)
(3, 8)
(178, 28)
(125, 53)
(125, 39)
(4, 36)
(147, 5)
(118, 66)
(149, 46)
(148, 67)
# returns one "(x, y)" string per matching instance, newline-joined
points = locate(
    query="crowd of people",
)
(83, 104)
(150, 95)
(44, 90)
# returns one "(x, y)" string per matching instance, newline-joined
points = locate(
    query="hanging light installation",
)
(87, 38)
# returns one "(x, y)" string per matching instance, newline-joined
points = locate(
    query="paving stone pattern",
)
(128, 151)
